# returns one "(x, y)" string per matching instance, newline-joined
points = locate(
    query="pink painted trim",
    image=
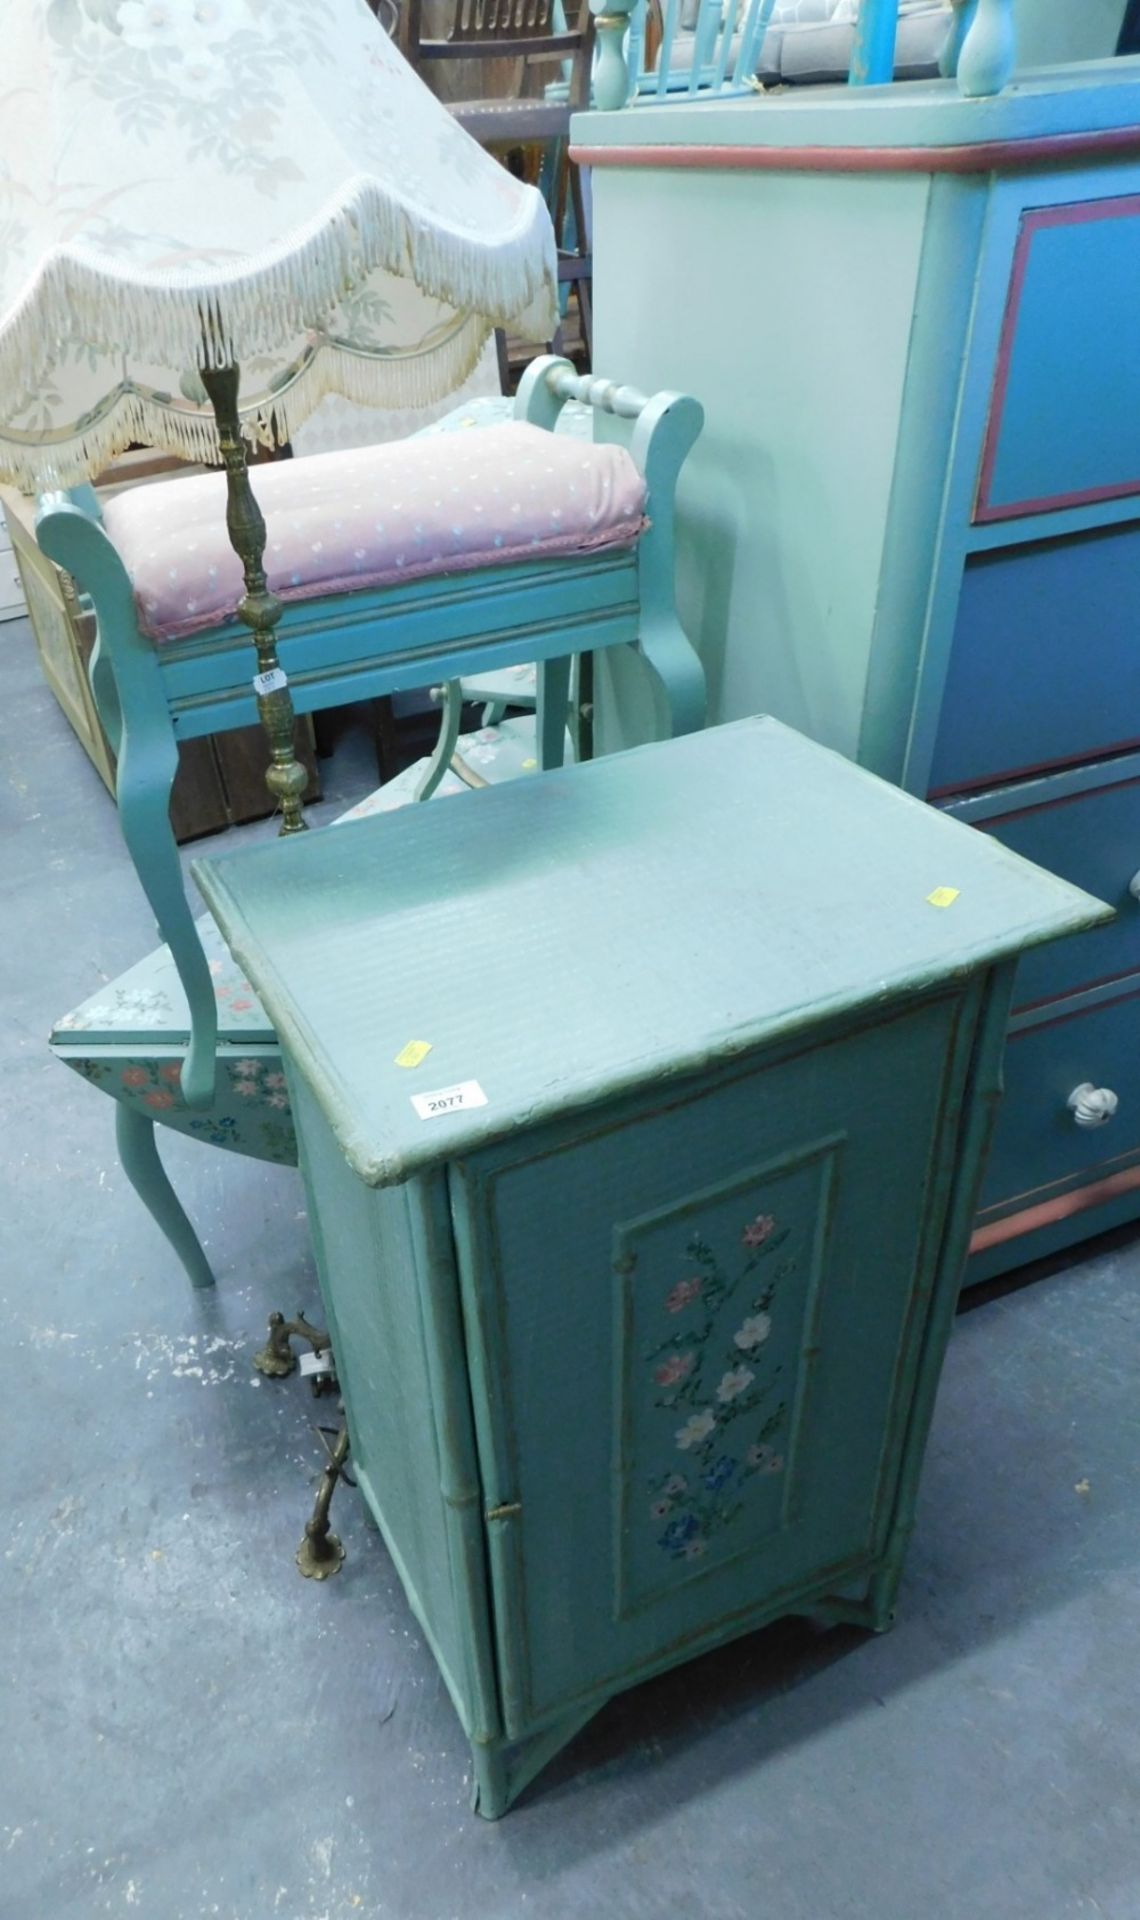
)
(985, 516)
(1086, 986)
(1007, 776)
(1063, 1019)
(1085, 213)
(983, 510)
(997, 820)
(984, 156)
(1048, 1212)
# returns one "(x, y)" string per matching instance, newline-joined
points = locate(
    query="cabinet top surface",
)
(567, 938)
(1090, 96)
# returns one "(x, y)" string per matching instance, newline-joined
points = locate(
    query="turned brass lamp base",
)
(259, 609)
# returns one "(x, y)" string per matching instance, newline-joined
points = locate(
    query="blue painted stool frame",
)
(352, 647)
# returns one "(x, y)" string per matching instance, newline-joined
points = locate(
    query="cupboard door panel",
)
(694, 1335)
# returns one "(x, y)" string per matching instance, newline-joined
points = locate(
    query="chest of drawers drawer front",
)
(1045, 665)
(1038, 1143)
(1092, 839)
(691, 1323)
(1052, 441)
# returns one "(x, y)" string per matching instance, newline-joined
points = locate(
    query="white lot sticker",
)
(271, 682)
(432, 1106)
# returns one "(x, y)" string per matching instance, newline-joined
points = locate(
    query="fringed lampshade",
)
(264, 182)
(193, 187)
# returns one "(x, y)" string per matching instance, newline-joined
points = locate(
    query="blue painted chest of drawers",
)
(912, 527)
(639, 1289)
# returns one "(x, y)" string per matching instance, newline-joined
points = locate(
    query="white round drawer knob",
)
(1134, 885)
(1092, 1106)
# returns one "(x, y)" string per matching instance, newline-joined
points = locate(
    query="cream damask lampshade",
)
(263, 182)
(218, 211)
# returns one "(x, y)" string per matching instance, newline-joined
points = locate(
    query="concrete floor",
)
(191, 1730)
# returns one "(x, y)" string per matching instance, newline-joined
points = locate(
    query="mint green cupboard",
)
(639, 1282)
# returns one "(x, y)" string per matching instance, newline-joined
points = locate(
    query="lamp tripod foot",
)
(319, 1555)
(320, 1552)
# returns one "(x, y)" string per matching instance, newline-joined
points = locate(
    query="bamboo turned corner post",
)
(259, 609)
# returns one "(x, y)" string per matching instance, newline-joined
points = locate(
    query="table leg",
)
(553, 701)
(138, 1152)
(502, 1770)
(491, 1793)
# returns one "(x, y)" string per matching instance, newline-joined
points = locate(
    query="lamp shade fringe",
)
(182, 318)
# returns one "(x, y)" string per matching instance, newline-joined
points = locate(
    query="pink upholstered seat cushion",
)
(342, 522)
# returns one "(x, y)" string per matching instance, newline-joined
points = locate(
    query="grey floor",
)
(190, 1730)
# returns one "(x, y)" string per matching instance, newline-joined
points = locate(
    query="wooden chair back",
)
(532, 30)
(722, 49)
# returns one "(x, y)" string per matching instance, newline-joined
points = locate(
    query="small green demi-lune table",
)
(639, 1282)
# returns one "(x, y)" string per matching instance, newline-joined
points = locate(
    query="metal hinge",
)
(504, 1512)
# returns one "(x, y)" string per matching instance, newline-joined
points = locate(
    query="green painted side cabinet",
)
(639, 1283)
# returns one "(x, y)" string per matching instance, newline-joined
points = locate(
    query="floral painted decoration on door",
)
(712, 1373)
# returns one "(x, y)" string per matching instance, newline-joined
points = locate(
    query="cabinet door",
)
(694, 1325)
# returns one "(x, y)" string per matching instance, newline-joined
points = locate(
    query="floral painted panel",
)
(717, 1311)
(148, 1000)
(250, 1114)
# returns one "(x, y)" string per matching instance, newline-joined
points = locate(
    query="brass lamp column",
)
(259, 609)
